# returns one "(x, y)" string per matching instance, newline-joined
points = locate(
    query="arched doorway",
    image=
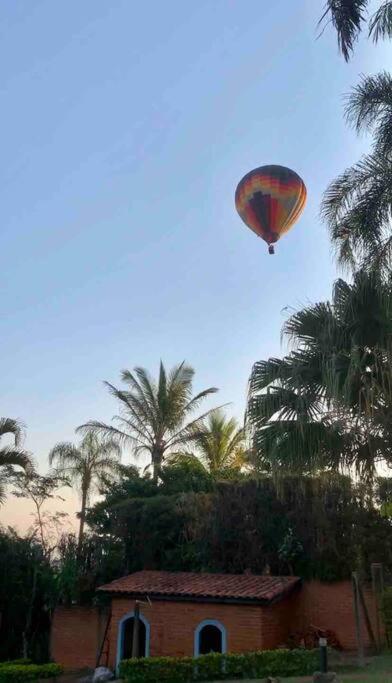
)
(128, 627)
(210, 636)
(125, 637)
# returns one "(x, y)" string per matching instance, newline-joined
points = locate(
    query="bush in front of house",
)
(10, 672)
(219, 667)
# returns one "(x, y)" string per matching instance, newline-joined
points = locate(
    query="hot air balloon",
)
(269, 200)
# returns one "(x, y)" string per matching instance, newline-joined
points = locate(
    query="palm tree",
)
(12, 455)
(357, 206)
(154, 415)
(348, 18)
(219, 445)
(328, 403)
(85, 465)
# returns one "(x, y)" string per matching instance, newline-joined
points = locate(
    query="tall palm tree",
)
(348, 17)
(328, 403)
(85, 465)
(14, 454)
(219, 445)
(154, 415)
(357, 205)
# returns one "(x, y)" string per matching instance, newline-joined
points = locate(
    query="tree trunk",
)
(41, 527)
(29, 614)
(82, 521)
(157, 458)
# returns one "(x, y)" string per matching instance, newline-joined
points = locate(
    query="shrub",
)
(10, 662)
(219, 667)
(11, 673)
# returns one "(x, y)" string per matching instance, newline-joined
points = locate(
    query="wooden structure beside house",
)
(189, 614)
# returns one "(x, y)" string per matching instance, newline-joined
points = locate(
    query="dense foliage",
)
(27, 594)
(219, 667)
(322, 526)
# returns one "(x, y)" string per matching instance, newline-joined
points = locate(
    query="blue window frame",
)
(210, 627)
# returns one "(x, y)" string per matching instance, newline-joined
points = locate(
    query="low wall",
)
(76, 636)
(330, 606)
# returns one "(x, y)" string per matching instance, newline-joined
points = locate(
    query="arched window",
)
(210, 636)
(125, 636)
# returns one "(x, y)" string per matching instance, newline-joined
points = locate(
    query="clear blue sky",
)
(125, 127)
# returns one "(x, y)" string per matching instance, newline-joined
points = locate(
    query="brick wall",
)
(76, 636)
(77, 632)
(277, 620)
(173, 625)
(330, 606)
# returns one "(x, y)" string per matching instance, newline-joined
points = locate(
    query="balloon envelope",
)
(269, 200)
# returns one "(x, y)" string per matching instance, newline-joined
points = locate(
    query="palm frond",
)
(266, 372)
(13, 456)
(136, 406)
(145, 390)
(357, 208)
(369, 107)
(178, 394)
(219, 443)
(381, 22)
(2, 493)
(303, 327)
(191, 430)
(195, 402)
(347, 17)
(297, 447)
(64, 455)
(283, 404)
(107, 432)
(11, 426)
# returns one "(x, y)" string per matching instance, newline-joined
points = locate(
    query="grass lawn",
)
(377, 670)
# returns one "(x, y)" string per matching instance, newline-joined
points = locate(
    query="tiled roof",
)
(208, 587)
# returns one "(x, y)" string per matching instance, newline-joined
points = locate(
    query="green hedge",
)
(219, 667)
(10, 672)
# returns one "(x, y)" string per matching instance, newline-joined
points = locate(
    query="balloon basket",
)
(271, 249)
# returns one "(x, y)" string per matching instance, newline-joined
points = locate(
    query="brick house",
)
(189, 614)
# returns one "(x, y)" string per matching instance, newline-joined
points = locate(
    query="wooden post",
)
(357, 614)
(135, 635)
(100, 652)
(368, 623)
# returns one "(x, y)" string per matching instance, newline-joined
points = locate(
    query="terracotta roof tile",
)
(187, 585)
